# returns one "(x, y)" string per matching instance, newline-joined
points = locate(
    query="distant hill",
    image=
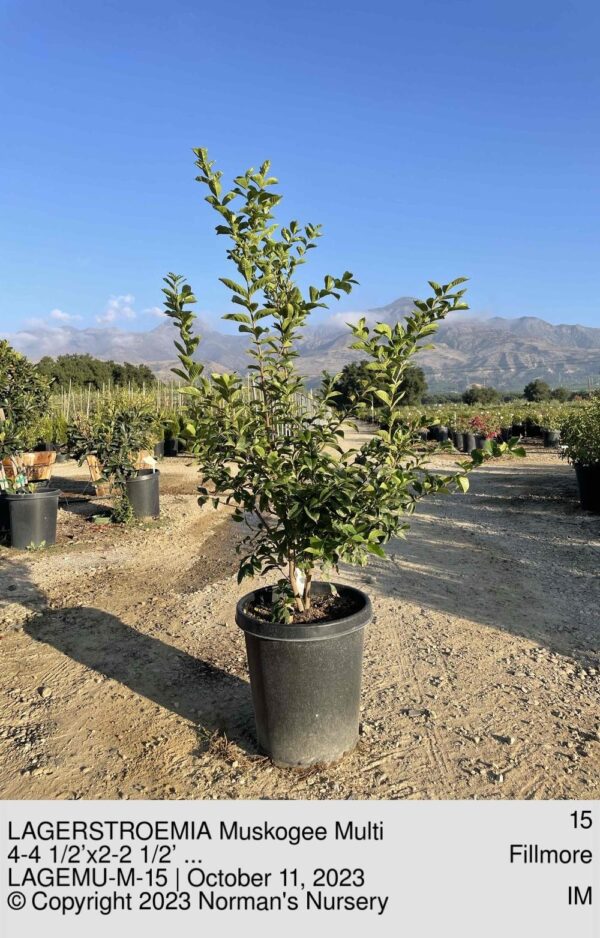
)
(505, 353)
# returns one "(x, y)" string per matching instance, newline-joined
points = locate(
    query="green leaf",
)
(463, 483)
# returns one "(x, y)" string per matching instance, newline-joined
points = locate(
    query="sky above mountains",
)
(431, 140)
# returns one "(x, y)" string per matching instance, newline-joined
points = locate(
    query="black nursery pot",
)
(434, 432)
(171, 446)
(305, 680)
(143, 493)
(551, 438)
(4, 514)
(442, 434)
(159, 449)
(469, 442)
(32, 518)
(457, 439)
(588, 480)
(44, 446)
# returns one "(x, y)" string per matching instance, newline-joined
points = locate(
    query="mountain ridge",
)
(470, 349)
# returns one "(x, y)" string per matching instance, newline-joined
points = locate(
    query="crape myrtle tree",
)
(310, 502)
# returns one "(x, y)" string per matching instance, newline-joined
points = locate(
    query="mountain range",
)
(502, 352)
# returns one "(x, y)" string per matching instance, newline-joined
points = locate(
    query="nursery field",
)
(124, 675)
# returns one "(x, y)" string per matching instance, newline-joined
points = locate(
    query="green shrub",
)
(115, 432)
(24, 397)
(580, 434)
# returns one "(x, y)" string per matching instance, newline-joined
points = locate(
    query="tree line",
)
(86, 371)
(355, 375)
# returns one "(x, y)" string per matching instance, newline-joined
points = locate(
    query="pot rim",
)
(42, 493)
(143, 474)
(304, 631)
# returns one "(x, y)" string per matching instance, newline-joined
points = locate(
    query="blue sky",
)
(431, 139)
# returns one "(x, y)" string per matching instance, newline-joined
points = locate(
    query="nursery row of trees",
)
(536, 391)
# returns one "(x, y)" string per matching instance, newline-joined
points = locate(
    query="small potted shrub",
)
(113, 440)
(485, 427)
(52, 434)
(28, 512)
(580, 435)
(309, 500)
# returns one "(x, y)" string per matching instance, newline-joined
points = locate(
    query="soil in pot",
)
(143, 493)
(305, 676)
(32, 518)
(588, 480)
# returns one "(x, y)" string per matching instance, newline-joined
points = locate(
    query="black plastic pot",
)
(4, 514)
(505, 434)
(434, 431)
(305, 681)
(551, 438)
(457, 439)
(32, 518)
(44, 447)
(469, 442)
(159, 449)
(442, 434)
(517, 429)
(143, 493)
(424, 433)
(588, 480)
(171, 446)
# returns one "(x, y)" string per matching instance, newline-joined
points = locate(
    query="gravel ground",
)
(124, 676)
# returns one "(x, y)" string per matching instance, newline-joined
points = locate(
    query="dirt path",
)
(124, 676)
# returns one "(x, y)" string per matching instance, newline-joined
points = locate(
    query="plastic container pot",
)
(305, 681)
(143, 493)
(171, 446)
(159, 449)
(551, 438)
(32, 518)
(457, 439)
(434, 432)
(4, 514)
(469, 442)
(588, 480)
(442, 434)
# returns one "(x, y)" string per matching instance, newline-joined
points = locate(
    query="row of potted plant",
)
(116, 439)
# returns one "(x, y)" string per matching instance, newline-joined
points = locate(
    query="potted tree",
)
(117, 440)
(309, 500)
(28, 511)
(580, 436)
